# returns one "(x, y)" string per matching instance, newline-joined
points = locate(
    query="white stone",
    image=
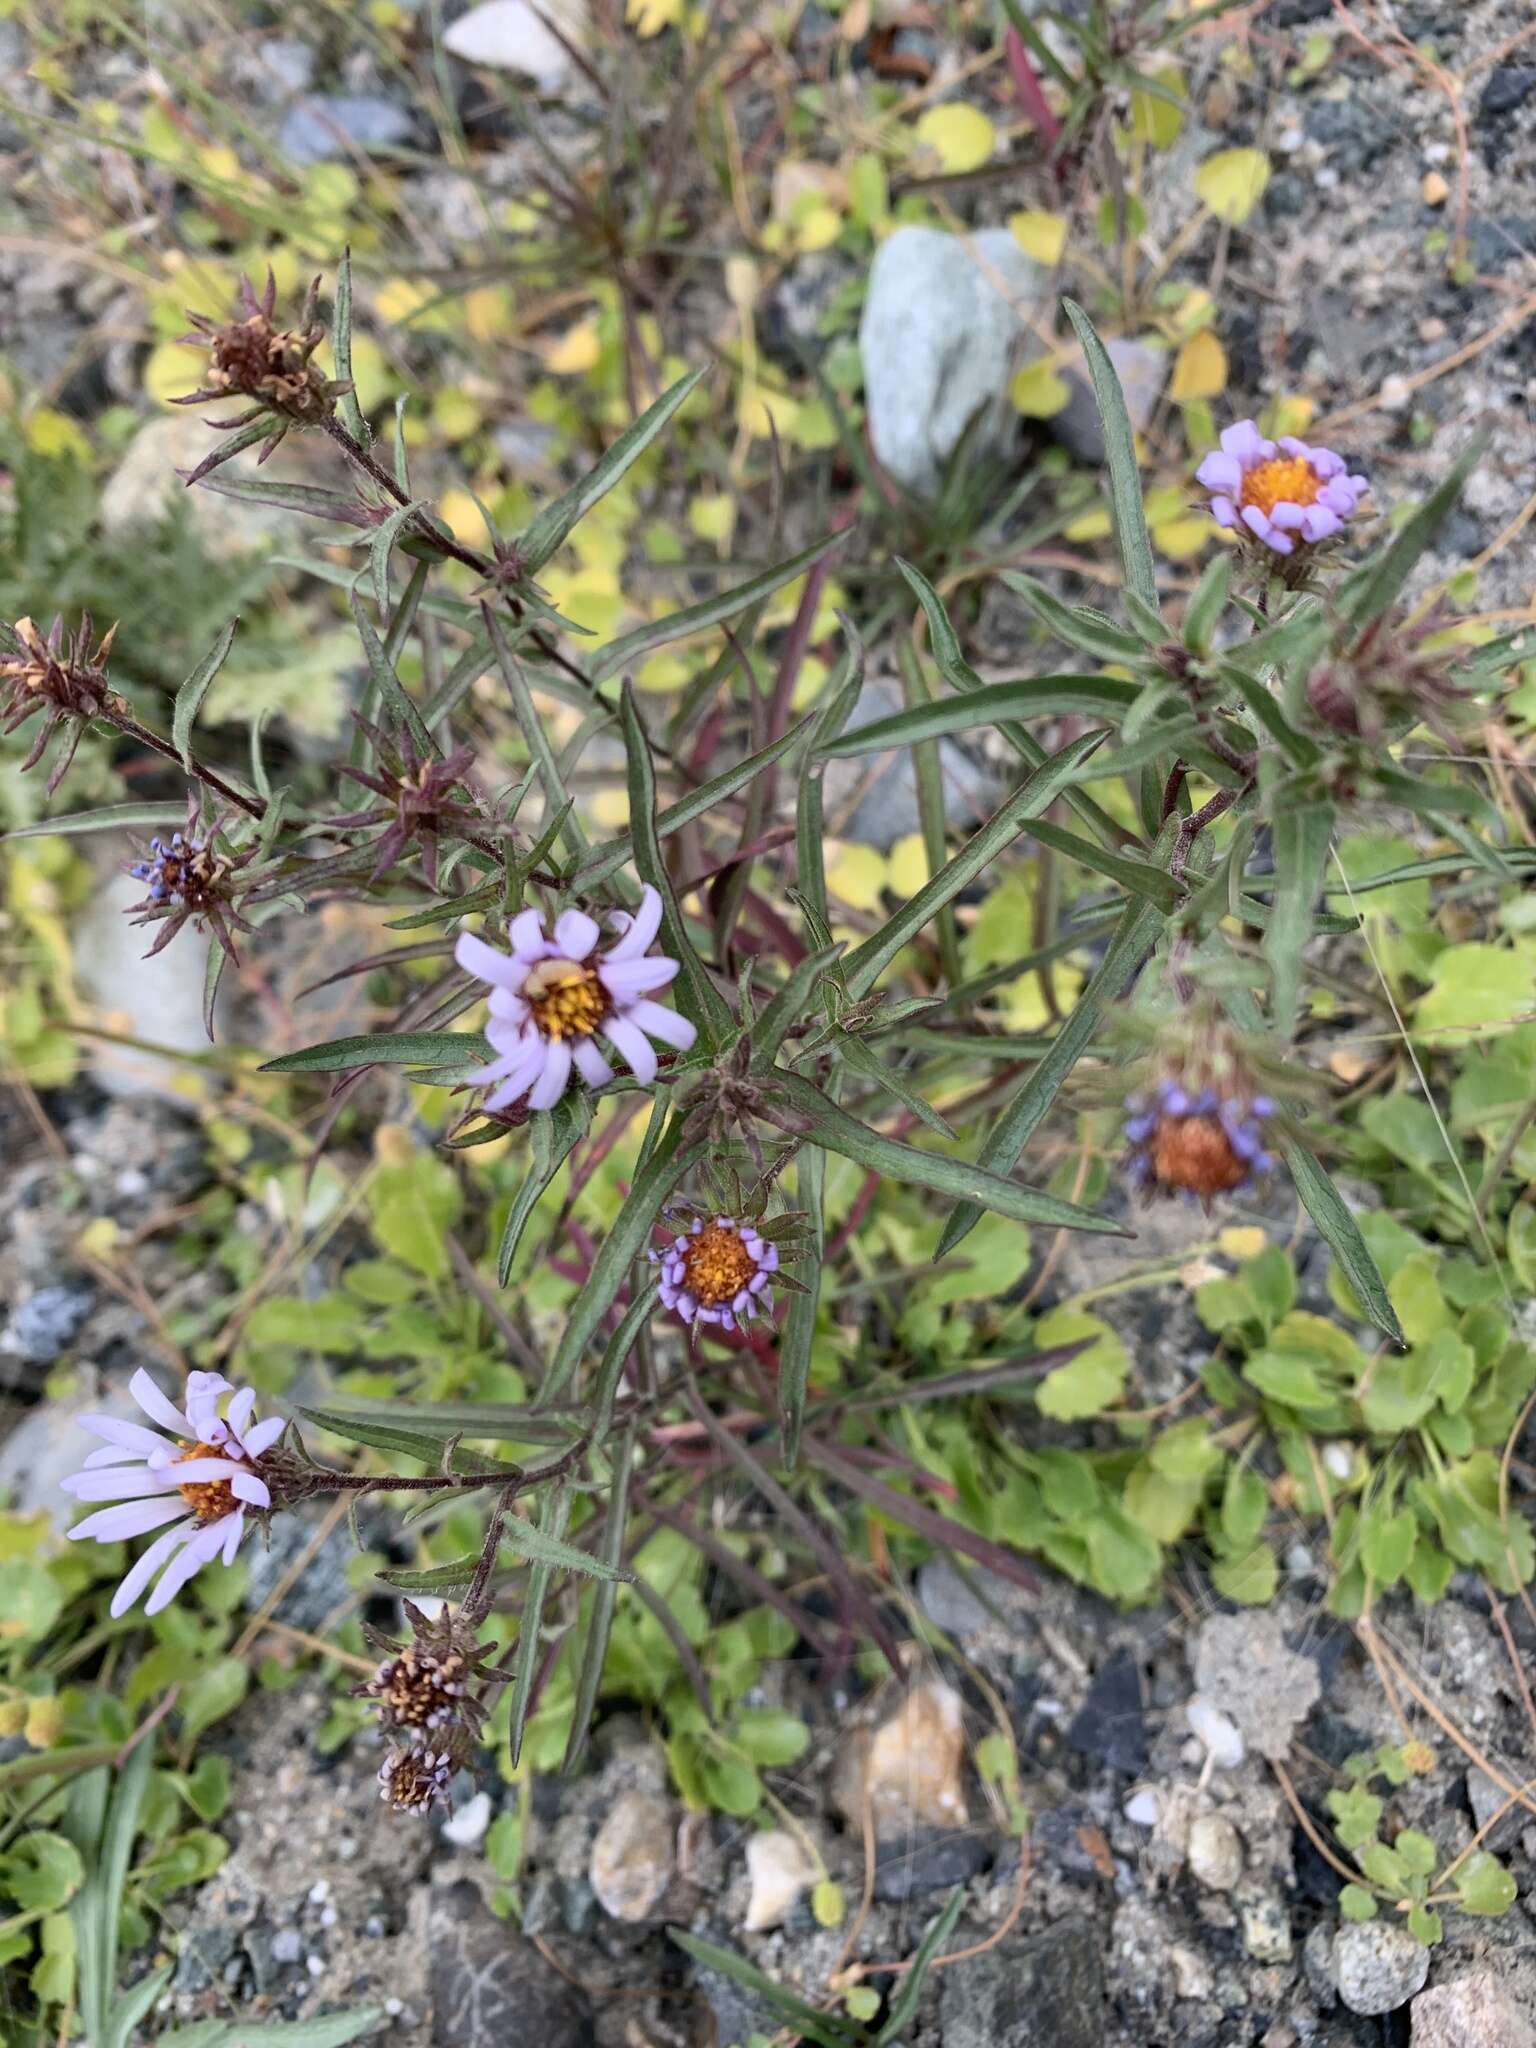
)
(1144, 1807)
(1215, 1852)
(468, 1825)
(507, 35)
(943, 329)
(1219, 1735)
(1376, 1966)
(159, 1001)
(780, 1870)
(633, 1856)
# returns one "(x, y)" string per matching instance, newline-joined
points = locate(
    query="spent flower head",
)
(424, 1685)
(1200, 1118)
(554, 996)
(413, 1780)
(419, 801)
(1393, 674)
(201, 1475)
(1283, 497)
(63, 676)
(190, 877)
(252, 357)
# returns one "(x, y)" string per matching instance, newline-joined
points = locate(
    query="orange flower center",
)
(1283, 480)
(567, 999)
(1194, 1152)
(209, 1499)
(717, 1265)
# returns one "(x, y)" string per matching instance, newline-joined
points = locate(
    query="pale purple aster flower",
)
(552, 998)
(200, 1477)
(717, 1272)
(1280, 492)
(1196, 1142)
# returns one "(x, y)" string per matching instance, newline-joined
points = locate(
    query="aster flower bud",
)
(189, 877)
(1199, 1122)
(251, 357)
(63, 676)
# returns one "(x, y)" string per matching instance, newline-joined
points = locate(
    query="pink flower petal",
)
(626, 979)
(1244, 441)
(133, 1482)
(113, 1454)
(632, 1045)
(526, 933)
(232, 1540)
(195, 1553)
(590, 1064)
(130, 1518)
(1288, 517)
(247, 1487)
(508, 1010)
(576, 934)
(1220, 472)
(485, 963)
(157, 1407)
(140, 1573)
(1320, 523)
(131, 1436)
(659, 1022)
(240, 1410)
(550, 1086)
(1224, 512)
(639, 930)
(203, 1471)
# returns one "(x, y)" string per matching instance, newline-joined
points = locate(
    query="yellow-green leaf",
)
(1199, 369)
(1231, 183)
(961, 137)
(1041, 235)
(1039, 391)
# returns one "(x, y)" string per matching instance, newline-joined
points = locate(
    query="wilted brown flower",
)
(253, 358)
(63, 676)
(189, 877)
(1389, 674)
(424, 1688)
(418, 800)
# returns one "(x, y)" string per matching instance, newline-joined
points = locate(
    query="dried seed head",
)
(189, 877)
(1390, 675)
(63, 676)
(251, 357)
(413, 1780)
(1202, 1144)
(425, 1687)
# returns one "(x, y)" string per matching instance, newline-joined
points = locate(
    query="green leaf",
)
(189, 698)
(1356, 1903)
(910, 1986)
(1028, 697)
(1425, 1925)
(799, 1332)
(109, 818)
(553, 1136)
(42, 1872)
(382, 546)
(1132, 941)
(1417, 1853)
(1080, 626)
(1477, 988)
(1091, 1382)
(554, 524)
(1142, 877)
(341, 351)
(769, 1735)
(1301, 834)
(808, 1111)
(1120, 451)
(1244, 1507)
(620, 654)
(604, 1600)
(1325, 1205)
(211, 1695)
(325, 2030)
(1387, 1543)
(553, 1517)
(381, 673)
(412, 1204)
(385, 1048)
(1483, 1885)
(1207, 602)
(401, 1442)
(102, 1820)
(523, 1539)
(1249, 1579)
(698, 998)
(1368, 593)
(826, 2030)
(867, 962)
(626, 1240)
(772, 1024)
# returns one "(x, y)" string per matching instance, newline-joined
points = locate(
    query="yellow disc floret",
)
(1283, 480)
(209, 1499)
(566, 998)
(717, 1265)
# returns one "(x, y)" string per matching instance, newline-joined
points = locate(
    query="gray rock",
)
(490, 1986)
(158, 1001)
(1142, 370)
(1508, 88)
(952, 1598)
(1474, 2012)
(1317, 1966)
(1110, 1726)
(1266, 1928)
(930, 1860)
(1487, 1799)
(740, 2016)
(633, 1856)
(284, 66)
(872, 798)
(47, 1322)
(1242, 1661)
(944, 320)
(320, 1588)
(1215, 1852)
(508, 35)
(1354, 132)
(204, 1952)
(1045, 1991)
(331, 124)
(144, 487)
(287, 1946)
(1069, 1839)
(44, 1448)
(1376, 1966)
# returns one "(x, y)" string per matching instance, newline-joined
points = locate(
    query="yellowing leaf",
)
(1242, 1241)
(712, 515)
(1199, 369)
(1291, 416)
(610, 809)
(908, 866)
(810, 682)
(576, 350)
(1178, 539)
(1041, 235)
(650, 17)
(488, 312)
(856, 875)
(397, 300)
(1039, 391)
(758, 407)
(664, 671)
(1023, 1001)
(171, 371)
(1153, 119)
(818, 227)
(461, 515)
(55, 434)
(1231, 183)
(961, 137)
(1095, 525)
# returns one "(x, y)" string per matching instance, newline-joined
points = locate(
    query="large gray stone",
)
(872, 798)
(158, 1002)
(332, 124)
(49, 1444)
(944, 324)
(510, 35)
(1377, 1966)
(491, 1987)
(1142, 370)
(1043, 1992)
(1476, 2011)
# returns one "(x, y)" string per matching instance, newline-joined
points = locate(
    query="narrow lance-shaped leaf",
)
(781, 1012)
(189, 698)
(382, 674)
(837, 707)
(1341, 1233)
(109, 818)
(697, 996)
(538, 1545)
(1301, 834)
(553, 525)
(341, 351)
(554, 1135)
(1027, 697)
(799, 1333)
(1120, 451)
(620, 654)
(1377, 585)
(381, 547)
(1131, 943)
(603, 1601)
(802, 1108)
(1078, 625)
(1142, 877)
(384, 1048)
(534, 735)
(555, 1514)
(864, 966)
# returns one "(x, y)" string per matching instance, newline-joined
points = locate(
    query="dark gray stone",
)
(1294, 13)
(1043, 1992)
(1110, 1725)
(1508, 88)
(1286, 196)
(930, 1860)
(1353, 132)
(47, 1322)
(739, 2014)
(260, 1950)
(872, 798)
(329, 124)
(204, 1952)
(1496, 244)
(1062, 1839)
(490, 1986)
(320, 1587)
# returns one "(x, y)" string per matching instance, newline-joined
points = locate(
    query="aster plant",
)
(686, 990)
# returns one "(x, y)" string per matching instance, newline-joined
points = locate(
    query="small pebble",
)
(1215, 1852)
(1395, 395)
(287, 1945)
(1377, 1967)
(1145, 1807)
(1339, 1459)
(394, 2007)
(1217, 1732)
(1267, 1930)
(1326, 179)
(1437, 153)
(346, 1848)
(319, 1891)
(315, 1965)
(469, 1824)
(1434, 190)
(329, 1917)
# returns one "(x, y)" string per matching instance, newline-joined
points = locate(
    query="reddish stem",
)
(1031, 92)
